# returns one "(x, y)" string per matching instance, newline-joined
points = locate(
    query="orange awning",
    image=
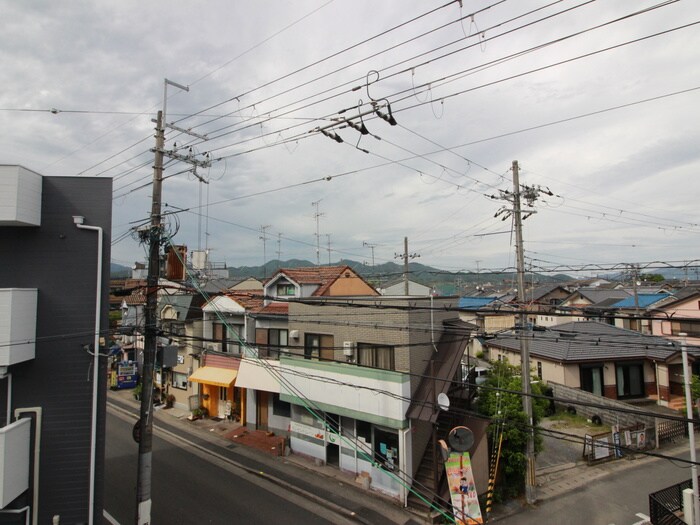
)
(212, 375)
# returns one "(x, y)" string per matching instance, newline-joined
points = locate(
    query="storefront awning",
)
(259, 375)
(212, 375)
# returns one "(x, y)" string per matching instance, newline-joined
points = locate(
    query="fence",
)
(666, 505)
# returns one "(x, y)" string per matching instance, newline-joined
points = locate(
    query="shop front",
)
(217, 392)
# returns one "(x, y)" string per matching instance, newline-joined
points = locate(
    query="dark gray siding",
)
(60, 261)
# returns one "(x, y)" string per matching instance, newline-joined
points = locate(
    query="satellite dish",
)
(443, 401)
(461, 439)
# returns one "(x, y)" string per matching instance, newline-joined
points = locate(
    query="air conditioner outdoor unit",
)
(348, 348)
(294, 334)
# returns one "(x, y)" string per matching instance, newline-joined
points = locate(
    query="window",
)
(180, 380)
(312, 344)
(687, 327)
(279, 407)
(539, 369)
(277, 339)
(223, 394)
(630, 380)
(386, 448)
(285, 289)
(228, 335)
(175, 328)
(592, 378)
(375, 356)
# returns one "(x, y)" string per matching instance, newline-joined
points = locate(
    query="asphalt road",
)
(192, 487)
(612, 500)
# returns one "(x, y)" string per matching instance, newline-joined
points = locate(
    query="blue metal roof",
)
(644, 300)
(474, 303)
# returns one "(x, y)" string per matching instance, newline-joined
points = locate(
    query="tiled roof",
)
(250, 300)
(275, 309)
(135, 299)
(596, 295)
(643, 300)
(323, 276)
(474, 303)
(587, 341)
(314, 275)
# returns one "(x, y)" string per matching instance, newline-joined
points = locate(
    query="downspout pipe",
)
(79, 222)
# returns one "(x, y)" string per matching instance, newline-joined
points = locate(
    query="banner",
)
(460, 479)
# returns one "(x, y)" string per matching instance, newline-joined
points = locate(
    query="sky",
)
(598, 102)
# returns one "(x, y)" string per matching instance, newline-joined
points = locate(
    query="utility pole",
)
(478, 278)
(143, 487)
(328, 236)
(279, 250)
(405, 256)
(530, 487)
(371, 247)
(154, 237)
(691, 431)
(264, 229)
(317, 215)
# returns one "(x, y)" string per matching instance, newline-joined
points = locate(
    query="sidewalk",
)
(263, 453)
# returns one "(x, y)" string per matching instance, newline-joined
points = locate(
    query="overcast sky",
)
(596, 110)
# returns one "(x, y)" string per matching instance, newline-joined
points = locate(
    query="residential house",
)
(676, 315)
(398, 287)
(630, 312)
(591, 303)
(228, 329)
(53, 318)
(181, 322)
(357, 387)
(544, 298)
(489, 314)
(598, 358)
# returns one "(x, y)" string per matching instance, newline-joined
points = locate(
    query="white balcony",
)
(15, 440)
(378, 396)
(17, 325)
(20, 197)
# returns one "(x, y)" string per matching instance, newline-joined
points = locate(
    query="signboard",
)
(460, 479)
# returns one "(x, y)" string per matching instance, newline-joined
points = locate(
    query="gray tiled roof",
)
(589, 341)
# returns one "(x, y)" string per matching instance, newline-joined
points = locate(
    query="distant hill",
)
(118, 271)
(381, 274)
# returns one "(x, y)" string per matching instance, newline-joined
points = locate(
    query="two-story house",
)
(357, 385)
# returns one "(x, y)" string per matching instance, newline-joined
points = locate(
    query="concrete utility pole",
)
(143, 486)
(530, 487)
(144, 426)
(279, 250)
(371, 247)
(691, 431)
(317, 215)
(405, 256)
(263, 237)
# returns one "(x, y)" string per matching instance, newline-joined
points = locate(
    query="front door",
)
(263, 400)
(223, 398)
(327, 352)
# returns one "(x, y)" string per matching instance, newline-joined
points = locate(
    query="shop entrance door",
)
(263, 400)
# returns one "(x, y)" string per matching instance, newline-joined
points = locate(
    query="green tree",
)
(507, 407)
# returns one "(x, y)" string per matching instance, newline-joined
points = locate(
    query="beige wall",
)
(406, 328)
(350, 285)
